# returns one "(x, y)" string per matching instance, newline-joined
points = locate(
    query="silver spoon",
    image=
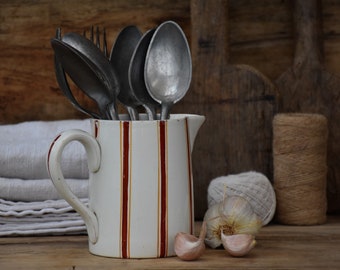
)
(100, 65)
(120, 56)
(136, 75)
(64, 86)
(168, 66)
(84, 75)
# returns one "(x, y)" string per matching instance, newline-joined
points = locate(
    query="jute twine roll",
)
(300, 168)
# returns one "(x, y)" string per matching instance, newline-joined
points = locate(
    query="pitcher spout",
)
(194, 124)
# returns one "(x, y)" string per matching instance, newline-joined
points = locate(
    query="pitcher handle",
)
(54, 168)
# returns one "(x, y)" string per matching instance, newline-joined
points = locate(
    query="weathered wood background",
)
(223, 35)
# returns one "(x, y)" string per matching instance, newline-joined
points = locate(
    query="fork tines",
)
(95, 38)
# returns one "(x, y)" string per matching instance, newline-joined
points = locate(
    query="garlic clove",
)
(188, 247)
(234, 215)
(214, 224)
(238, 245)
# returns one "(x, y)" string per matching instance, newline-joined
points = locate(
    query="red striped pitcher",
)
(140, 183)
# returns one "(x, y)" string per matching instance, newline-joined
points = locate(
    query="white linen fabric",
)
(24, 146)
(29, 202)
(38, 189)
(44, 217)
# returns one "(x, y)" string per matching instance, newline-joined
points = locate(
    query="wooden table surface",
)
(278, 247)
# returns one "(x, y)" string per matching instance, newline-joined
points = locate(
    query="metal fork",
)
(95, 38)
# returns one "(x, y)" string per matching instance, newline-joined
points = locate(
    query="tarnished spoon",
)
(85, 76)
(64, 86)
(120, 57)
(168, 66)
(100, 65)
(136, 75)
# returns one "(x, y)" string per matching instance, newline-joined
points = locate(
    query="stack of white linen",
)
(29, 203)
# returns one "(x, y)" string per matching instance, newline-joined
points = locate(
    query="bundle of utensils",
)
(151, 70)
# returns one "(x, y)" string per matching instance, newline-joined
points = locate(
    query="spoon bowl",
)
(120, 57)
(136, 75)
(65, 88)
(84, 75)
(64, 85)
(168, 67)
(100, 66)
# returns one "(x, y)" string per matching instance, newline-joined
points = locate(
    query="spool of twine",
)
(300, 168)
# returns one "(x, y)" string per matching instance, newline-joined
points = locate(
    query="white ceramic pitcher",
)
(140, 184)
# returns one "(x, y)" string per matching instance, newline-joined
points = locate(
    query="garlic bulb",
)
(239, 216)
(239, 244)
(188, 247)
(234, 215)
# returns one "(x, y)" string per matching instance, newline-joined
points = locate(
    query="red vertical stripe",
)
(96, 128)
(189, 177)
(50, 149)
(163, 243)
(125, 190)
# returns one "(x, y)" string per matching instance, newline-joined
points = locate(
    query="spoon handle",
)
(165, 108)
(133, 113)
(112, 111)
(151, 111)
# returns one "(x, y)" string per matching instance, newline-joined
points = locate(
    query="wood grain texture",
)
(278, 247)
(238, 101)
(262, 34)
(308, 87)
(260, 31)
(28, 88)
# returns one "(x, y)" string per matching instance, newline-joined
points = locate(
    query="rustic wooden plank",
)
(237, 100)
(262, 34)
(261, 31)
(331, 35)
(278, 247)
(309, 88)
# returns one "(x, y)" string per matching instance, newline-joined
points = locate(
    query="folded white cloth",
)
(38, 189)
(39, 208)
(36, 218)
(40, 129)
(24, 147)
(45, 228)
(29, 203)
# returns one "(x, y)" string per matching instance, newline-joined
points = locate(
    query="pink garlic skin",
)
(238, 245)
(188, 247)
